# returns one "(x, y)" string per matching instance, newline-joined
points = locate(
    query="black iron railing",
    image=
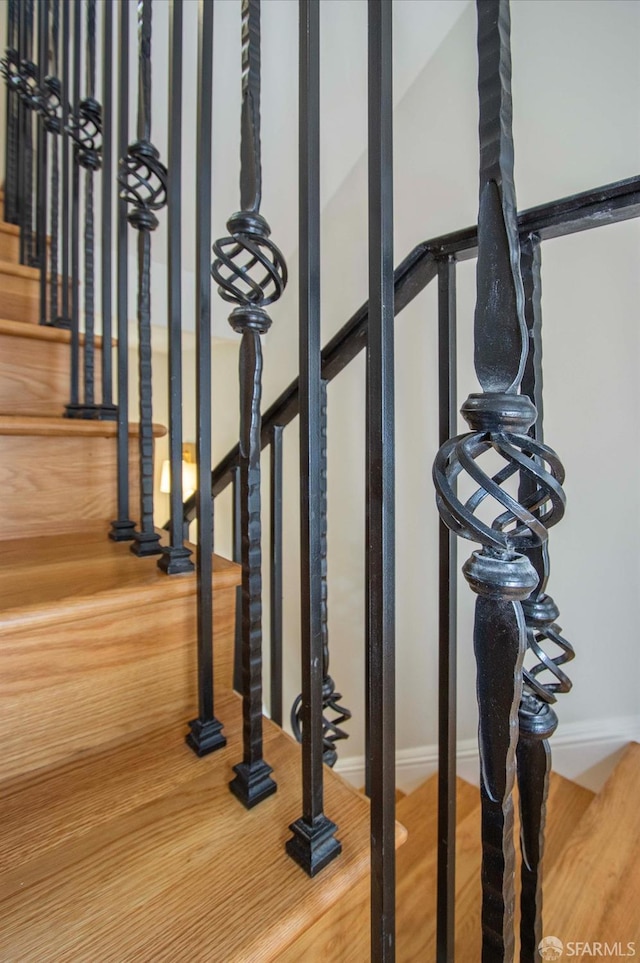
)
(68, 144)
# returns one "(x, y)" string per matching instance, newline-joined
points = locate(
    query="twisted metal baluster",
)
(86, 134)
(26, 85)
(250, 272)
(334, 715)
(52, 104)
(7, 67)
(143, 180)
(500, 573)
(537, 719)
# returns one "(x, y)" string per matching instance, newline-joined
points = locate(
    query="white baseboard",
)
(585, 752)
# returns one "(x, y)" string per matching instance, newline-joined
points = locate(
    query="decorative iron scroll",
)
(250, 272)
(510, 527)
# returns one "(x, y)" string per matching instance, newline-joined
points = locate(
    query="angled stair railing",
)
(62, 120)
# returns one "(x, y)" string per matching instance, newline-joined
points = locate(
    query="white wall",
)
(577, 105)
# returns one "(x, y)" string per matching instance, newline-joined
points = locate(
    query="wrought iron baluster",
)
(106, 410)
(380, 555)
(123, 528)
(64, 320)
(85, 131)
(8, 67)
(275, 634)
(73, 120)
(206, 731)
(334, 715)
(25, 79)
(447, 629)
(537, 718)
(41, 154)
(500, 573)
(52, 103)
(176, 557)
(143, 180)
(250, 272)
(314, 843)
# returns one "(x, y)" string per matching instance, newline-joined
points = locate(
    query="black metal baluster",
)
(41, 154)
(206, 731)
(313, 844)
(380, 556)
(53, 125)
(252, 782)
(275, 634)
(28, 86)
(249, 251)
(334, 715)
(73, 121)
(106, 410)
(537, 718)
(176, 557)
(447, 634)
(86, 133)
(237, 557)
(500, 573)
(21, 174)
(143, 179)
(9, 65)
(64, 320)
(123, 528)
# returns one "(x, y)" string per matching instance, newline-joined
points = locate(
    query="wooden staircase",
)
(116, 842)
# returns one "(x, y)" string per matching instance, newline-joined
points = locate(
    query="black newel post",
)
(251, 272)
(537, 718)
(334, 715)
(501, 572)
(143, 179)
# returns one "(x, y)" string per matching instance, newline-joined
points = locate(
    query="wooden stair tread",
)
(417, 864)
(7, 228)
(593, 894)
(159, 873)
(20, 270)
(33, 425)
(76, 575)
(42, 332)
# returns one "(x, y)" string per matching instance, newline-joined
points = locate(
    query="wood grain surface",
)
(34, 369)
(95, 645)
(593, 893)
(169, 866)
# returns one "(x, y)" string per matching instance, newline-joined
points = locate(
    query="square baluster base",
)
(205, 737)
(313, 847)
(252, 783)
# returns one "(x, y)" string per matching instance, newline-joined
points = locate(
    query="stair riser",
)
(20, 297)
(54, 485)
(68, 687)
(9, 246)
(34, 376)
